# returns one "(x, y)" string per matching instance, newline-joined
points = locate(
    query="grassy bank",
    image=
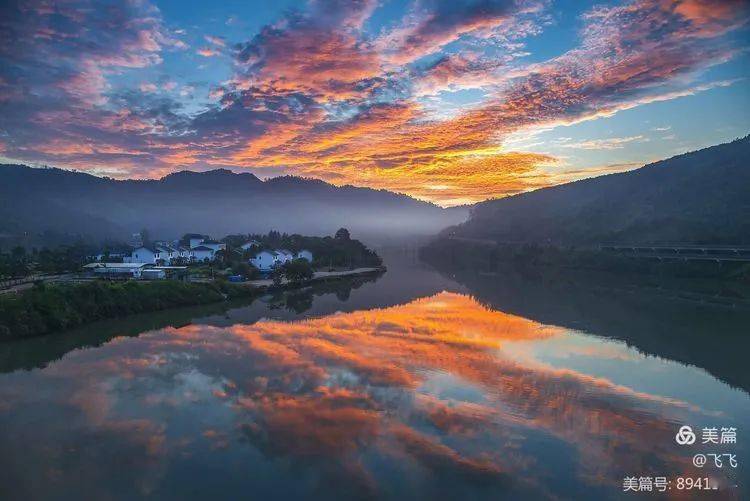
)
(55, 307)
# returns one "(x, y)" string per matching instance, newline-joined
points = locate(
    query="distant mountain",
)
(698, 197)
(217, 202)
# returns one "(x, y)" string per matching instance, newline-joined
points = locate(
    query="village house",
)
(266, 260)
(198, 248)
(184, 253)
(167, 254)
(203, 253)
(195, 239)
(153, 255)
(213, 244)
(144, 254)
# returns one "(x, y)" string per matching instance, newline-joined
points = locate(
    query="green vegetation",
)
(296, 272)
(20, 262)
(48, 308)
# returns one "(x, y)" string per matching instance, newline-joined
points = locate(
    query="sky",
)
(452, 102)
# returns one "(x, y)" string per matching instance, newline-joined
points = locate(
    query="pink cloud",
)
(148, 87)
(207, 52)
(215, 40)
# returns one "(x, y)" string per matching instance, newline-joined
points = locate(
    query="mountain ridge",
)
(219, 201)
(700, 196)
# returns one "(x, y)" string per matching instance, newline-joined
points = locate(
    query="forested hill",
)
(216, 202)
(698, 197)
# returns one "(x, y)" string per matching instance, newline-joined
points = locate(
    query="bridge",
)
(681, 252)
(662, 251)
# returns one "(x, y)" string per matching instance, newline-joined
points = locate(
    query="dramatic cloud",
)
(320, 92)
(65, 51)
(433, 24)
(318, 52)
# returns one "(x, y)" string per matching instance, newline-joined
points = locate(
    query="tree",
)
(244, 269)
(18, 253)
(222, 256)
(298, 270)
(277, 275)
(342, 234)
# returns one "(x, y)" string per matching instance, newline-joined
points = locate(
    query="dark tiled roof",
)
(273, 253)
(152, 250)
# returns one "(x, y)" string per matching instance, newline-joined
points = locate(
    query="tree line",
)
(47, 308)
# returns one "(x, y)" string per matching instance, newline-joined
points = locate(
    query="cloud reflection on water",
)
(421, 398)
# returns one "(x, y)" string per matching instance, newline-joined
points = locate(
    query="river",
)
(419, 384)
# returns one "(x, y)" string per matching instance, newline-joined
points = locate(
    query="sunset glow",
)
(451, 102)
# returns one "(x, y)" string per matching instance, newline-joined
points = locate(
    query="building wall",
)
(142, 256)
(118, 272)
(203, 255)
(164, 255)
(154, 274)
(263, 261)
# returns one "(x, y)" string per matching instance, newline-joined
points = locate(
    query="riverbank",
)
(318, 276)
(50, 308)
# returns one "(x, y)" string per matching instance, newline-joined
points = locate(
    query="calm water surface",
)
(415, 385)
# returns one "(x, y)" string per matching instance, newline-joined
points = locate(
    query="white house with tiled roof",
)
(203, 253)
(266, 260)
(214, 244)
(193, 240)
(145, 254)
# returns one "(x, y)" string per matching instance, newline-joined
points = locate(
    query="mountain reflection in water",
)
(438, 397)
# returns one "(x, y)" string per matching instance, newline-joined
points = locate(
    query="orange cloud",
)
(314, 95)
(207, 52)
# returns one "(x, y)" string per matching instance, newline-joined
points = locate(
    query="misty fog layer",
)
(217, 202)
